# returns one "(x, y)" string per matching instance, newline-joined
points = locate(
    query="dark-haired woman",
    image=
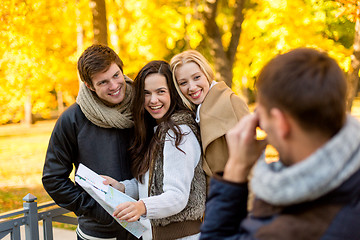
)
(169, 180)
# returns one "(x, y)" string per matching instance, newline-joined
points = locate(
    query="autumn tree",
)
(98, 8)
(36, 60)
(242, 35)
(142, 30)
(224, 56)
(40, 49)
(353, 75)
(351, 9)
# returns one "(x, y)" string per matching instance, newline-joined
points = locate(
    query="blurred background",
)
(41, 41)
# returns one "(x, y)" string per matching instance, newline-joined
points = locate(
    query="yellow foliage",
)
(146, 30)
(195, 31)
(39, 47)
(34, 49)
(278, 4)
(275, 27)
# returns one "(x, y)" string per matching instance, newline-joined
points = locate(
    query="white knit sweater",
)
(178, 173)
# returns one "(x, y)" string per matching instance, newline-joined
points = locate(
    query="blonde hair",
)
(187, 57)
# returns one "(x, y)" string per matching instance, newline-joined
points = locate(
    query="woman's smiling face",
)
(157, 96)
(192, 82)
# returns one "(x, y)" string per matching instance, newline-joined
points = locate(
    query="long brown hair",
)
(145, 141)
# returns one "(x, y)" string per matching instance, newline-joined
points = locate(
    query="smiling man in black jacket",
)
(95, 131)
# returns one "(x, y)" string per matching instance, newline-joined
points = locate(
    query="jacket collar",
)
(217, 115)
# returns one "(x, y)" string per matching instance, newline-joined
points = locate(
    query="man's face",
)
(269, 123)
(265, 121)
(110, 85)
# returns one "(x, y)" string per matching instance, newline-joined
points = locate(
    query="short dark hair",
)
(307, 84)
(96, 58)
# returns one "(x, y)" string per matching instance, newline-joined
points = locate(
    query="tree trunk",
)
(353, 75)
(98, 8)
(79, 35)
(28, 109)
(223, 58)
(60, 102)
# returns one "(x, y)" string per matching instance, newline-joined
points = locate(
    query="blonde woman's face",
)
(192, 82)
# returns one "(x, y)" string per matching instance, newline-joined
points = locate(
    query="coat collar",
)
(217, 114)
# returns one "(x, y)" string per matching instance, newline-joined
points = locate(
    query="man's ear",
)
(282, 122)
(89, 87)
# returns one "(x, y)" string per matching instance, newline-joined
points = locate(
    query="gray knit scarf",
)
(320, 173)
(103, 116)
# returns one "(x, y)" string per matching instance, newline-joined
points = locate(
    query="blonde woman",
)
(217, 107)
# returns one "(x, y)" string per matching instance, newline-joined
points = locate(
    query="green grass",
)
(22, 154)
(11, 197)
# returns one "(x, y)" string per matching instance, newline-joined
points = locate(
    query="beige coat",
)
(219, 112)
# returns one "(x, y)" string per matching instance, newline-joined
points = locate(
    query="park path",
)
(58, 233)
